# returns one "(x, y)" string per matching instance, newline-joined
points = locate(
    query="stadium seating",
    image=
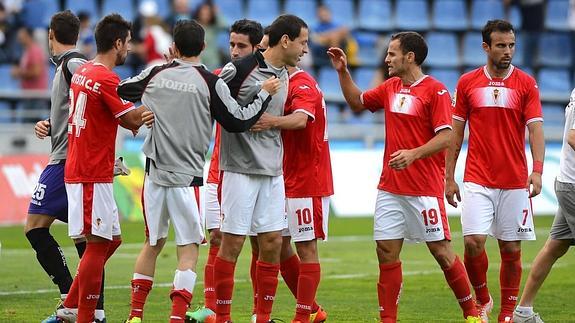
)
(264, 11)
(342, 12)
(51, 8)
(555, 50)
(89, 6)
(304, 9)
(375, 15)
(124, 71)
(368, 51)
(450, 15)
(124, 8)
(473, 54)
(232, 10)
(554, 114)
(329, 83)
(484, 10)
(8, 83)
(443, 50)
(412, 15)
(557, 14)
(363, 77)
(554, 82)
(448, 77)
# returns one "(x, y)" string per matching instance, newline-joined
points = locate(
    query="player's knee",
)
(35, 221)
(474, 246)
(386, 254)
(509, 246)
(443, 255)
(215, 238)
(557, 248)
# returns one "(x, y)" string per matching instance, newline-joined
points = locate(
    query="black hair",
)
(411, 41)
(109, 29)
(495, 25)
(289, 25)
(66, 27)
(251, 28)
(189, 37)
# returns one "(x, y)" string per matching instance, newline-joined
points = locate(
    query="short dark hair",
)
(109, 29)
(189, 37)
(289, 25)
(83, 16)
(251, 28)
(495, 25)
(411, 41)
(267, 30)
(66, 27)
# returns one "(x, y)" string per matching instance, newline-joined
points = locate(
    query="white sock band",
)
(185, 279)
(144, 277)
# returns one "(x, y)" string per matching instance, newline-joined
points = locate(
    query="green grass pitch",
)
(347, 290)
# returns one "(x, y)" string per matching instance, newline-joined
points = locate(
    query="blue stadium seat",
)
(263, 11)
(443, 50)
(363, 77)
(375, 15)
(342, 12)
(553, 114)
(518, 57)
(365, 117)
(368, 51)
(515, 16)
(450, 15)
(333, 113)
(555, 50)
(484, 10)
(124, 71)
(412, 15)
(89, 6)
(51, 8)
(164, 7)
(448, 77)
(305, 9)
(6, 81)
(556, 17)
(124, 8)
(329, 83)
(232, 10)
(223, 42)
(473, 54)
(554, 82)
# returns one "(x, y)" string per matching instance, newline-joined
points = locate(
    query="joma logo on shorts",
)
(300, 230)
(524, 230)
(430, 230)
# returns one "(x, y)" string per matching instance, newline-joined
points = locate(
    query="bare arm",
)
(351, 92)
(451, 187)
(293, 121)
(132, 120)
(401, 159)
(537, 145)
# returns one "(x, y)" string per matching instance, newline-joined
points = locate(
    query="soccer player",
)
(49, 201)
(95, 111)
(308, 185)
(410, 197)
(499, 101)
(562, 232)
(253, 195)
(184, 97)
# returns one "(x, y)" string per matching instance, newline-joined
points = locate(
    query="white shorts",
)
(506, 214)
(413, 218)
(179, 205)
(307, 218)
(212, 207)
(252, 202)
(92, 210)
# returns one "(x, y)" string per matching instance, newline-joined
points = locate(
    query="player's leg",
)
(307, 222)
(561, 237)
(389, 231)
(513, 223)
(213, 222)
(253, 270)
(239, 194)
(49, 202)
(476, 221)
(268, 222)
(427, 220)
(184, 209)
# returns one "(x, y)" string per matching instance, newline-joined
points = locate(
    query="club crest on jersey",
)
(401, 103)
(496, 95)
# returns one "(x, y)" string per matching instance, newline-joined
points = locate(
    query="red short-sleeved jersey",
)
(413, 115)
(498, 109)
(214, 171)
(92, 125)
(306, 163)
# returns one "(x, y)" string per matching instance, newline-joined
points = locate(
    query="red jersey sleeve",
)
(376, 98)
(532, 111)
(459, 102)
(110, 97)
(440, 104)
(303, 98)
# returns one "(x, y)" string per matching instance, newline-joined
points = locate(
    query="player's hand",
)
(265, 122)
(452, 192)
(148, 118)
(338, 58)
(534, 184)
(170, 56)
(42, 128)
(401, 159)
(271, 85)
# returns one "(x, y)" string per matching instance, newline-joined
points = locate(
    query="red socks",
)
(289, 270)
(267, 282)
(209, 288)
(457, 279)
(388, 291)
(181, 299)
(224, 284)
(90, 279)
(254, 278)
(477, 271)
(309, 277)
(141, 286)
(510, 279)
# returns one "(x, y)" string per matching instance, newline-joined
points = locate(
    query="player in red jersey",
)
(499, 101)
(410, 198)
(308, 186)
(95, 112)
